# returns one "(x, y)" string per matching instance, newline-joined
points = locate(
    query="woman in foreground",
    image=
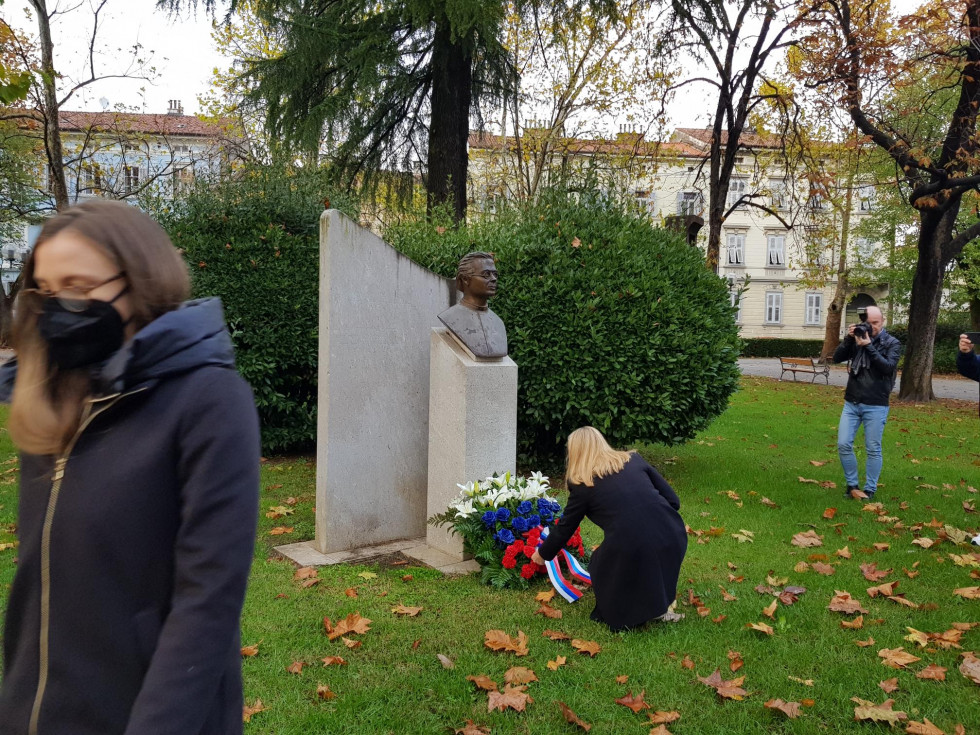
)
(635, 570)
(138, 494)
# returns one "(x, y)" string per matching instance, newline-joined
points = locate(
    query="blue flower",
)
(503, 515)
(525, 507)
(543, 503)
(533, 521)
(519, 524)
(546, 517)
(489, 518)
(505, 536)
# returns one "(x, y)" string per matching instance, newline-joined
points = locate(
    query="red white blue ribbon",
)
(575, 569)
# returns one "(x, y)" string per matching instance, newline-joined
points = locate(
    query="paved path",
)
(943, 386)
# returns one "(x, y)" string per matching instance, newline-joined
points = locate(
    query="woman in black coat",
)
(139, 490)
(635, 570)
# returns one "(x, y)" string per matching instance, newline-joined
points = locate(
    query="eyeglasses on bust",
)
(74, 298)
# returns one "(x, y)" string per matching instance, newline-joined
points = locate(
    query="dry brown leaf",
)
(731, 689)
(889, 685)
(334, 661)
(924, 542)
(249, 710)
(897, 658)
(687, 663)
(901, 600)
(280, 530)
(660, 730)
(872, 573)
(323, 692)
(351, 592)
(622, 679)
(447, 663)
(351, 644)
(471, 728)
(804, 682)
(307, 583)
(296, 667)
(634, 703)
(844, 553)
(512, 697)
(545, 596)
(761, 627)
(970, 668)
(770, 611)
(498, 640)
(661, 717)
(571, 718)
(735, 661)
(923, 728)
(589, 647)
(865, 644)
(881, 546)
(304, 573)
(855, 624)
(933, 672)
(829, 515)
(871, 712)
(969, 593)
(818, 462)
(886, 590)
(842, 602)
(726, 595)
(519, 675)
(548, 611)
(824, 569)
(558, 662)
(249, 651)
(790, 709)
(807, 539)
(556, 635)
(483, 682)
(410, 612)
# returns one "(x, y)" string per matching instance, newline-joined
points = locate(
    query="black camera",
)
(863, 328)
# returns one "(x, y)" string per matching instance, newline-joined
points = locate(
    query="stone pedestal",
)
(472, 427)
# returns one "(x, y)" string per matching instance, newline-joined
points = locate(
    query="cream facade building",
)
(785, 278)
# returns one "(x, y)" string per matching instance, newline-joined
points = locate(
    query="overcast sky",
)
(184, 56)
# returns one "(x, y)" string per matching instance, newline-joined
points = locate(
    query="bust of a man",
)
(470, 321)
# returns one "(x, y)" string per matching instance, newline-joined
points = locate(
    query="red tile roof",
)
(130, 122)
(751, 139)
(623, 143)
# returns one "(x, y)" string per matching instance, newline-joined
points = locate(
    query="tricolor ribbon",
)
(575, 569)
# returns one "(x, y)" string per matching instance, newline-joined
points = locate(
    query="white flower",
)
(465, 509)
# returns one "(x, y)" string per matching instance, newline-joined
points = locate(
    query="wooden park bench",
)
(808, 365)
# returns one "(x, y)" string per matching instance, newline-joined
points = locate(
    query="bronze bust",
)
(470, 321)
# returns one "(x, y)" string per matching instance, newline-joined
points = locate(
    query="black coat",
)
(968, 364)
(634, 572)
(151, 539)
(871, 386)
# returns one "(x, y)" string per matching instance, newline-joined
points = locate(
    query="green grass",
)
(758, 449)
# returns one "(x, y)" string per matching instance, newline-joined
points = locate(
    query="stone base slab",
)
(305, 554)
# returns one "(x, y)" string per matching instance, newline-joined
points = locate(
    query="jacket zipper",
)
(88, 415)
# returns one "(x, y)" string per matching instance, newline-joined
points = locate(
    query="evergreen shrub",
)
(613, 322)
(781, 347)
(254, 242)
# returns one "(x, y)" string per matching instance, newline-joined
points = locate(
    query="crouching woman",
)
(635, 570)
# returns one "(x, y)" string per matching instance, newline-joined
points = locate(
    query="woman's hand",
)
(536, 558)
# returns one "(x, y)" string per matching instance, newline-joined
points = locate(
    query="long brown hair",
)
(47, 402)
(590, 456)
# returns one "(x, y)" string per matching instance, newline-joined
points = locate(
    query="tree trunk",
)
(927, 290)
(975, 314)
(831, 334)
(449, 128)
(52, 127)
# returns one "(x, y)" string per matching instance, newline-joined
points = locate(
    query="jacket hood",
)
(189, 337)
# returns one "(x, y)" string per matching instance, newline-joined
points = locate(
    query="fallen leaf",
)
(351, 644)
(483, 682)
(924, 542)
(296, 667)
(589, 647)
(790, 709)
(804, 682)
(351, 592)
(558, 662)
(889, 685)
(844, 553)
(556, 635)
(970, 668)
(248, 711)
(897, 658)
(548, 611)
(829, 515)
(660, 730)
(447, 663)
(304, 573)
(498, 640)
(761, 627)
(545, 596)
(515, 698)
(855, 624)
(807, 539)
(687, 663)
(735, 661)
(471, 728)
(817, 462)
(519, 675)
(280, 530)
(323, 692)
(660, 717)
(622, 679)
(923, 728)
(367, 575)
(634, 703)
(933, 672)
(410, 612)
(842, 602)
(334, 661)
(872, 573)
(769, 611)
(407, 578)
(869, 711)
(885, 590)
(970, 593)
(249, 651)
(865, 644)
(572, 718)
(824, 569)
(725, 689)
(353, 623)
(881, 546)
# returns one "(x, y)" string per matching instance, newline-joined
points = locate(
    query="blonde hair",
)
(46, 405)
(590, 456)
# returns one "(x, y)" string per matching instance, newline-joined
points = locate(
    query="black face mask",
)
(82, 338)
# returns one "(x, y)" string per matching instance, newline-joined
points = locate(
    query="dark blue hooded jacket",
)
(150, 536)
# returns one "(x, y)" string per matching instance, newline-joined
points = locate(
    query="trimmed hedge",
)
(254, 242)
(781, 347)
(613, 323)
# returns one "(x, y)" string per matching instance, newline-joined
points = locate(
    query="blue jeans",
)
(873, 418)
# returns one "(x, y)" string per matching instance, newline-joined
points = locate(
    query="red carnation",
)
(509, 562)
(540, 568)
(529, 550)
(528, 570)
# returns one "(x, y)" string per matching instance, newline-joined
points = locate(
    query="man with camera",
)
(967, 362)
(873, 355)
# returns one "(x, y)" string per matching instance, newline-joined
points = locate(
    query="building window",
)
(132, 178)
(776, 250)
(183, 180)
(814, 308)
(780, 195)
(774, 307)
(864, 249)
(647, 201)
(689, 202)
(816, 202)
(736, 248)
(736, 302)
(866, 197)
(736, 190)
(91, 179)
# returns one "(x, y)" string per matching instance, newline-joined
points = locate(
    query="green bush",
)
(611, 321)
(780, 347)
(944, 348)
(254, 242)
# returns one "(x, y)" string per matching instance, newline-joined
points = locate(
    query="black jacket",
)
(968, 364)
(873, 384)
(151, 538)
(635, 570)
